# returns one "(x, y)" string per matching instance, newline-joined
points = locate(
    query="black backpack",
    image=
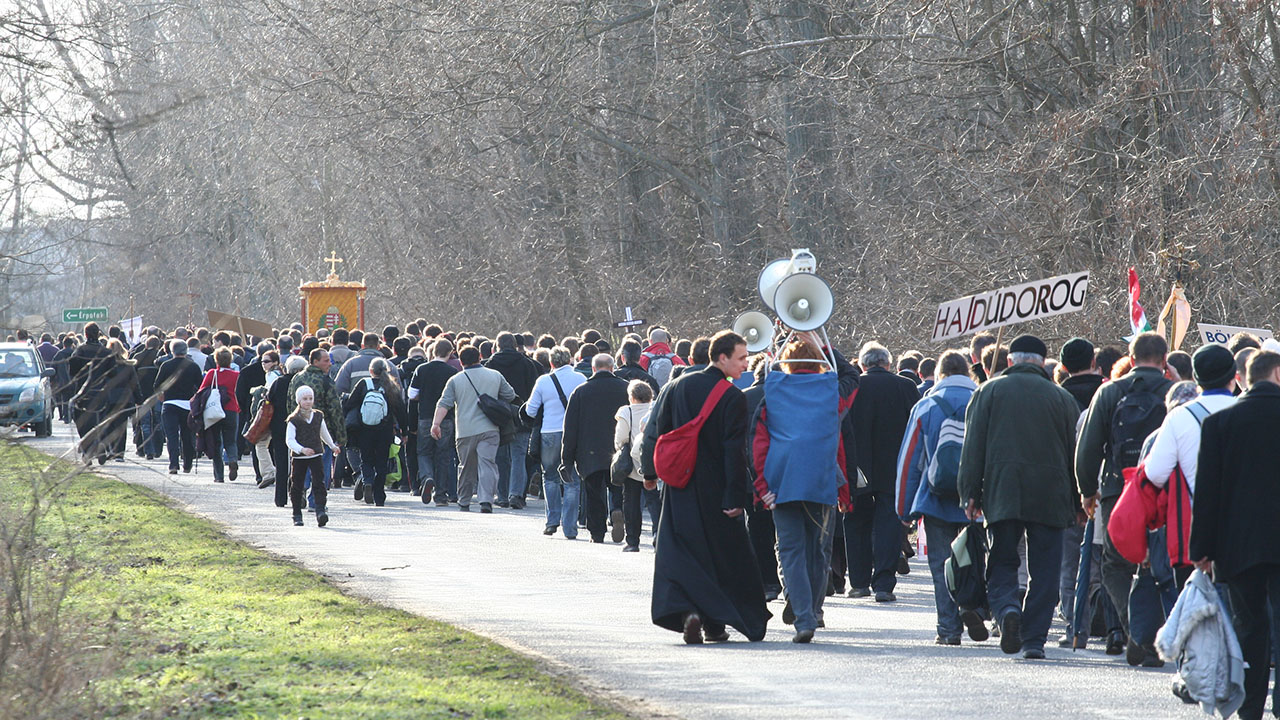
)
(1138, 414)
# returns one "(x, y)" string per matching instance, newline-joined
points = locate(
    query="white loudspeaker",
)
(803, 302)
(756, 328)
(770, 276)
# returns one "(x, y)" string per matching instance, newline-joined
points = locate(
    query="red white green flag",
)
(1137, 317)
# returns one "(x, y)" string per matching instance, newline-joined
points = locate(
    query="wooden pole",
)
(995, 355)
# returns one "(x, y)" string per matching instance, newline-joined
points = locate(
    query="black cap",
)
(1028, 344)
(1213, 366)
(1076, 355)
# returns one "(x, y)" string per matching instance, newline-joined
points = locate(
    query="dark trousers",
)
(88, 424)
(280, 453)
(151, 432)
(1251, 592)
(764, 540)
(1117, 573)
(595, 487)
(873, 542)
(302, 466)
(1044, 562)
(115, 430)
(633, 498)
(178, 436)
(409, 456)
(373, 464)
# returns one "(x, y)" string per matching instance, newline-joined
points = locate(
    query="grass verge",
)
(204, 626)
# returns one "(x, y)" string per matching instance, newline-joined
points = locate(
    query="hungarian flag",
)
(1137, 317)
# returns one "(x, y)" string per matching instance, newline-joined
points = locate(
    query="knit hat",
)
(1076, 355)
(303, 391)
(1028, 344)
(1213, 366)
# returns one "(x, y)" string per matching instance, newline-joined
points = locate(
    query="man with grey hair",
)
(549, 400)
(1016, 469)
(178, 379)
(658, 359)
(873, 535)
(587, 444)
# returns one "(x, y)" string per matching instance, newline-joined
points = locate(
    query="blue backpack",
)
(944, 466)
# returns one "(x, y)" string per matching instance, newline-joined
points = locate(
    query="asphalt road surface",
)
(585, 609)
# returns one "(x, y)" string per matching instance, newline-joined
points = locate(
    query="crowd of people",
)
(1090, 482)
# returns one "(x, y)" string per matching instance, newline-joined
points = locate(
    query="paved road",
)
(585, 608)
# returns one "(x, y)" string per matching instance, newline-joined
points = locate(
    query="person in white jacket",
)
(630, 429)
(306, 434)
(1178, 443)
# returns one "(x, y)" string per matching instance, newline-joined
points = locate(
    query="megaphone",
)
(770, 276)
(756, 328)
(803, 302)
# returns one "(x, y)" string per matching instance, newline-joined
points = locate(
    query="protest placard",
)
(1019, 303)
(1220, 334)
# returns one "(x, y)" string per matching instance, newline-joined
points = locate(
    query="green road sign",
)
(83, 315)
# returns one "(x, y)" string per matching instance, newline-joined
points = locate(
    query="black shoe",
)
(416, 492)
(233, 469)
(517, 503)
(692, 629)
(886, 597)
(359, 491)
(486, 509)
(1067, 642)
(788, 615)
(368, 496)
(186, 469)
(904, 567)
(831, 586)
(716, 636)
(428, 490)
(859, 592)
(975, 624)
(598, 540)
(504, 504)
(1115, 643)
(442, 503)
(464, 508)
(1011, 633)
(173, 471)
(217, 480)
(1033, 654)
(802, 636)
(1181, 692)
(550, 529)
(953, 640)
(266, 482)
(322, 518)
(297, 519)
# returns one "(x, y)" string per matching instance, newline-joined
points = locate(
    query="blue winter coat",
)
(918, 445)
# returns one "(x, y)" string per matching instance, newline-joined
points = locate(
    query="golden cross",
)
(333, 261)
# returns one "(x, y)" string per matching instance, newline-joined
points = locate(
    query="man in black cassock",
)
(705, 575)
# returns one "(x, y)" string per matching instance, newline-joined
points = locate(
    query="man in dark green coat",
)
(1016, 470)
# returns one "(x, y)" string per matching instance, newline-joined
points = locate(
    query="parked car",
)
(26, 396)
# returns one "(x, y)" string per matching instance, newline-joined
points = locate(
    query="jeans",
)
(513, 475)
(804, 529)
(151, 428)
(437, 462)
(559, 488)
(939, 534)
(1044, 561)
(873, 542)
(1251, 592)
(1153, 593)
(1072, 537)
(224, 443)
(478, 467)
(303, 467)
(178, 436)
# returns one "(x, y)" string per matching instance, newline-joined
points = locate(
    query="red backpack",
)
(676, 452)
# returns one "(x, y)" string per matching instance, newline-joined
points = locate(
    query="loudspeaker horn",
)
(803, 302)
(770, 276)
(756, 327)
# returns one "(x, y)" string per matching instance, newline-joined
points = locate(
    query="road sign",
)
(84, 315)
(630, 321)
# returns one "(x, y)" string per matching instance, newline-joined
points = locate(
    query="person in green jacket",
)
(316, 376)
(1016, 470)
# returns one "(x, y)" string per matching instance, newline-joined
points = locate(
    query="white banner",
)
(1030, 301)
(1220, 334)
(132, 328)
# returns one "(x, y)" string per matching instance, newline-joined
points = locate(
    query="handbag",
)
(622, 465)
(261, 424)
(676, 452)
(499, 412)
(213, 410)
